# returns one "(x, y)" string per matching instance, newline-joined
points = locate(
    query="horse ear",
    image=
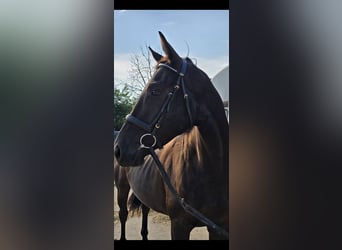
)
(169, 51)
(155, 55)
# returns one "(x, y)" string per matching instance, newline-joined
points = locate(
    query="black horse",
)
(181, 112)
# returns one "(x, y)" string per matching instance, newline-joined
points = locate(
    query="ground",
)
(158, 226)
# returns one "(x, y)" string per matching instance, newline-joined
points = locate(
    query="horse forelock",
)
(164, 59)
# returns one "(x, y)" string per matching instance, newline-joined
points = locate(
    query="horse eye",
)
(155, 92)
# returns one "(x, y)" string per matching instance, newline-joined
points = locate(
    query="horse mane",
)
(193, 144)
(190, 144)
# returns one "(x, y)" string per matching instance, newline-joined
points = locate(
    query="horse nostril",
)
(117, 152)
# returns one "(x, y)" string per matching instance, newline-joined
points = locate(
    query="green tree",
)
(123, 104)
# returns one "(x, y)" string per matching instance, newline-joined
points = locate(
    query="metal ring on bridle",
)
(142, 145)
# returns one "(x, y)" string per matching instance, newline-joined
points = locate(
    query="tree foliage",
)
(123, 104)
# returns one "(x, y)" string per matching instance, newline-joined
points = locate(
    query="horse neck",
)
(215, 136)
(211, 120)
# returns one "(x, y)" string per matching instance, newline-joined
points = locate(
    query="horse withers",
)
(180, 112)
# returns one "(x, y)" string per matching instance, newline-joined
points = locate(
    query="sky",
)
(203, 34)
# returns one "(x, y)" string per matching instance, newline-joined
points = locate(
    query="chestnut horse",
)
(181, 112)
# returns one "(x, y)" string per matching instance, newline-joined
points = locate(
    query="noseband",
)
(152, 128)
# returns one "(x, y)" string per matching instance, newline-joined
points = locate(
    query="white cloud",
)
(211, 66)
(121, 66)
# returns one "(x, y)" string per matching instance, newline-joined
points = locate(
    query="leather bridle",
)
(151, 128)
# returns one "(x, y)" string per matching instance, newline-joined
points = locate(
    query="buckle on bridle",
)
(143, 145)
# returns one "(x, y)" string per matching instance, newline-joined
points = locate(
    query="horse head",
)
(169, 105)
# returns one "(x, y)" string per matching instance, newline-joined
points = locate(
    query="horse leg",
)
(144, 231)
(123, 191)
(180, 230)
(214, 235)
(123, 213)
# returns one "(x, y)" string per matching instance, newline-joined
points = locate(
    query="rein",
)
(151, 131)
(185, 206)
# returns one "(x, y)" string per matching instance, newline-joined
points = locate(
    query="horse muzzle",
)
(126, 159)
